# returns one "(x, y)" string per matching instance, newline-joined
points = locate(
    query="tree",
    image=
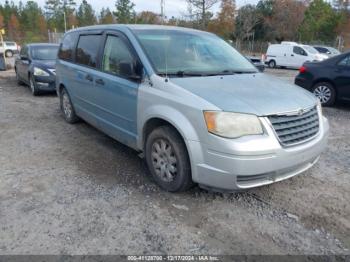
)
(56, 10)
(148, 17)
(2, 24)
(247, 19)
(125, 11)
(320, 22)
(106, 16)
(85, 14)
(200, 9)
(14, 28)
(224, 25)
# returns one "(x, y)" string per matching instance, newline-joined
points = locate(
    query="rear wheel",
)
(325, 92)
(272, 64)
(9, 53)
(67, 107)
(167, 160)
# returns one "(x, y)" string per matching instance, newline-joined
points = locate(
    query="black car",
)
(329, 80)
(35, 66)
(257, 62)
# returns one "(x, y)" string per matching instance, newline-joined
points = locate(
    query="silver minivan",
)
(198, 110)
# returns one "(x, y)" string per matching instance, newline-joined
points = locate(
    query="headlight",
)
(40, 72)
(232, 125)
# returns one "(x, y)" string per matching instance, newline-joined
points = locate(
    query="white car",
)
(9, 48)
(290, 54)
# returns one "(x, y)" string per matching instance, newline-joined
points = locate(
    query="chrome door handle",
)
(89, 78)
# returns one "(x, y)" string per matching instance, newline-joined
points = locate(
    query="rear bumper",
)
(303, 82)
(267, 163)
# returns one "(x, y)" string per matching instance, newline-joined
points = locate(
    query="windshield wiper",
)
(181, 74)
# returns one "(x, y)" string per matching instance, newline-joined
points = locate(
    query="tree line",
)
(269, 20)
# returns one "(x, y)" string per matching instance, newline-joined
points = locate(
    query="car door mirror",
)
(261, 67)
(130, 71)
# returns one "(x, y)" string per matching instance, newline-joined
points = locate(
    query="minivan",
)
(290, 54)
(195, 108)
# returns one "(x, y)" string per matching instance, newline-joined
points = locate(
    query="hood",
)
(46, 64)
(256, 94)
(320, 57)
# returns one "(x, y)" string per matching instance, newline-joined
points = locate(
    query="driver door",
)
(342, 78)
(23, 64)
(298, 57)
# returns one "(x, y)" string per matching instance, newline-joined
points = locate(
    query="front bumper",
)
(45, 83)
(253, 161)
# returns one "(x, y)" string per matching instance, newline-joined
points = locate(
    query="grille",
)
(296, 129)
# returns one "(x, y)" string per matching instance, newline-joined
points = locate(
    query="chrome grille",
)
(296, 129)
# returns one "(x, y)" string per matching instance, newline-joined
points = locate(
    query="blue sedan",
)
(35, 67)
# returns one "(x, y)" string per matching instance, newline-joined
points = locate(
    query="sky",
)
(172, 7)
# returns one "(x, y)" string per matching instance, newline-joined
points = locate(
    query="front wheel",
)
(272, 64)
(33, 88)
(325, 92)
(167, 160)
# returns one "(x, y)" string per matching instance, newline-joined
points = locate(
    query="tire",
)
(272, 64)
(33, 87)
(67, 108)
(165, 151)
(9, 53)
(325, 92)
(19, 81)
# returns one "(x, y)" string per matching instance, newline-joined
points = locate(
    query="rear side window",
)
(299, 51)
(345, 62)
(322, 50)
(87, 50)
(67, 47)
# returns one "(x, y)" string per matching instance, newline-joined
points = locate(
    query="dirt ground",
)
(69, 189)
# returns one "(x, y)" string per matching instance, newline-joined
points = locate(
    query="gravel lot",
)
(69, 189)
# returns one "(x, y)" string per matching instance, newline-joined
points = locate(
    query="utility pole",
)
(2, 32)
(65, 20)
(162, 7)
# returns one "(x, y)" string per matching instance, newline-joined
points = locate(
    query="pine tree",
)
(85, 14)
(106, 16)
(125, 11)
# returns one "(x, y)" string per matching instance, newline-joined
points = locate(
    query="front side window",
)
(24, 52)
(185, 52)
(87, 50)
(44, 52)
(299, 51)
(117, 57)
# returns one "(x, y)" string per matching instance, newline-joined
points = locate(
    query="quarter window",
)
(117, 58)
(345, 62)
(67, 47)
(87, 50)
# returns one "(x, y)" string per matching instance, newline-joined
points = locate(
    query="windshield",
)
(334, 51)
(44, 52)
(191, 53)
(310, 49)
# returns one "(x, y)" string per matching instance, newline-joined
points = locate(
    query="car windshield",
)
(44, 52)
(310, 49)
(180, 53)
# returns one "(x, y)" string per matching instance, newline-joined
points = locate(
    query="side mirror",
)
(24, 58)
(261, 67)
(130, 71)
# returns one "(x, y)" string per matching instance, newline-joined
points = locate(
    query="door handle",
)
(291, 55)
(89, 78)
(100, 82)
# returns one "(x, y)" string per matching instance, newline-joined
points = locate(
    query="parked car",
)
(9, 48)
(197, 109)
(290, 54)
(257, 62)
(327, 50)
(328, 80)
(36, 67)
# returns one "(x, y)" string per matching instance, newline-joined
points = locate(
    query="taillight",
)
(302, 70)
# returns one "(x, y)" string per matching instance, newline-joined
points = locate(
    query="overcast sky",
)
(172, 7)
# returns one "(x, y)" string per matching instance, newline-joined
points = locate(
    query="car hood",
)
(46, 64)
(256, 94)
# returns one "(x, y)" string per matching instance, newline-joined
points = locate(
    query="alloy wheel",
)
(323, 93)
(66, 105)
